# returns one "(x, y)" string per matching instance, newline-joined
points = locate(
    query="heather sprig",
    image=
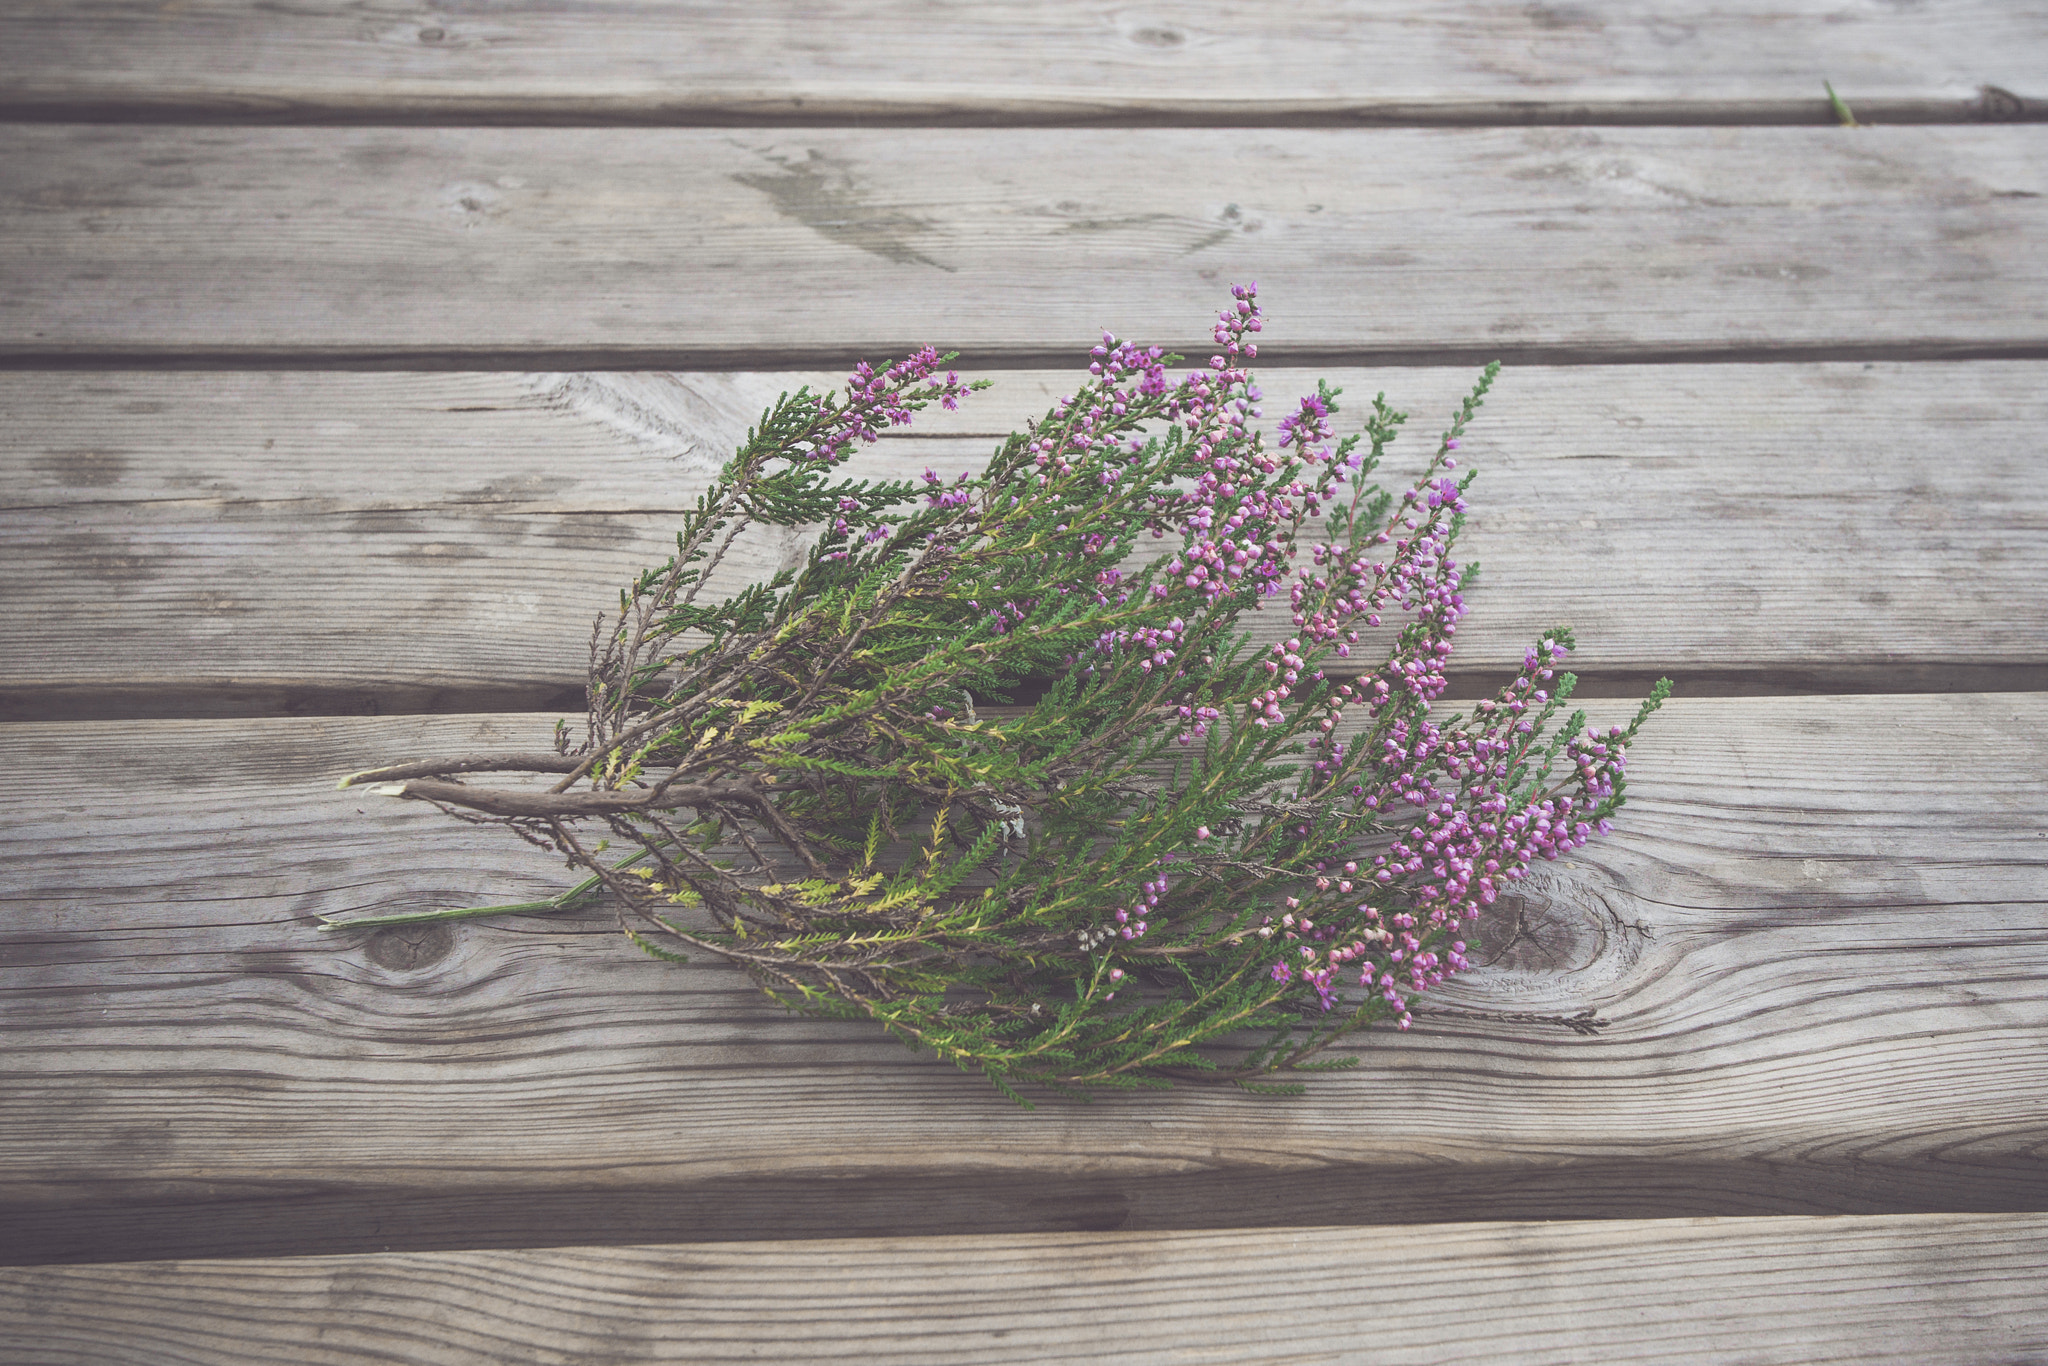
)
(1000, 768)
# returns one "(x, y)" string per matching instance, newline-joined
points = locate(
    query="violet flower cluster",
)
(1388, 916)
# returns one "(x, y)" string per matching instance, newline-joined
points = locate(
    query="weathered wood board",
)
(195, 543)
(573, 248)
(1793, 1290)
(1017, 60)
(1818, 935)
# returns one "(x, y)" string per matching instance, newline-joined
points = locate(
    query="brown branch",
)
(669, 716)
(499, 802)
(471, 763)
(790, 836)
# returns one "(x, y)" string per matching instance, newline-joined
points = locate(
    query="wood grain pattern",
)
(1791, 1290)
(1818, 935)
(197, 543)
(568, 248)
(1014, 60)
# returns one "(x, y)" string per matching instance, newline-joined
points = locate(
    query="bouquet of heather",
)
(1156, 852)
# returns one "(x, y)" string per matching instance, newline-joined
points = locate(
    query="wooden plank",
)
(1016, 60)
(575, 248)
(1935, 1287)
(220, 544)
(1818, 936)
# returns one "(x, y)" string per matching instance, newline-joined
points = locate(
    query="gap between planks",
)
(1421, 355)
(251, 699)
(1991, 105)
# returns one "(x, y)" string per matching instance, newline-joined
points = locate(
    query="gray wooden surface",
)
(680, 247)
(1764, 1290)
(1805, 930)
(275, 541)
(1019, 61)
(310, 430)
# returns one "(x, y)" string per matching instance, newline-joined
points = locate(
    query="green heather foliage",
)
(1000, 768)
